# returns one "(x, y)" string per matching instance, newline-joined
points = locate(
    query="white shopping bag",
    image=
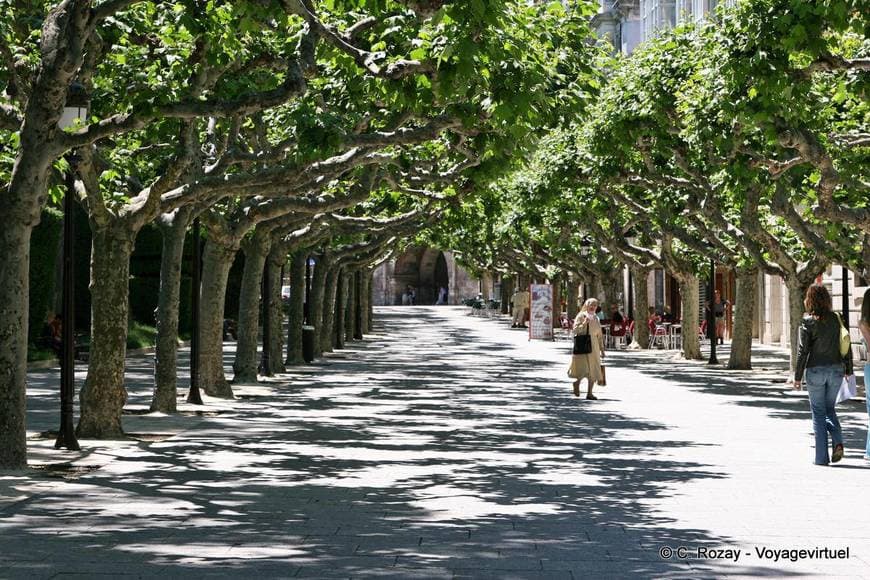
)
(848, 389)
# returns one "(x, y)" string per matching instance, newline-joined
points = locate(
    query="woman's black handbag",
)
(582, 343)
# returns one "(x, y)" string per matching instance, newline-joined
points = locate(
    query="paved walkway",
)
(448, 447)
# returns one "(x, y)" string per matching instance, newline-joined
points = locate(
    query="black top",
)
(819, 345)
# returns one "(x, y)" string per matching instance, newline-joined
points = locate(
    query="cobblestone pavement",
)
(446, 446)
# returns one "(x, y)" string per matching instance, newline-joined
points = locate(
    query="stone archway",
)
(426, 270)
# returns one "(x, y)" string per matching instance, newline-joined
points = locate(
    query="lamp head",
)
(75, 111)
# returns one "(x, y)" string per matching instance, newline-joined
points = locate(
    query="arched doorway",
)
(426, 270)
(442, 279)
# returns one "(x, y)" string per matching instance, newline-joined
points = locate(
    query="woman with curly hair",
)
(819, 355)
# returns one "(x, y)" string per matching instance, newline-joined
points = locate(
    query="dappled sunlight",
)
(380, 464)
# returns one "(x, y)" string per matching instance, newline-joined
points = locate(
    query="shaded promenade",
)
(445, 447)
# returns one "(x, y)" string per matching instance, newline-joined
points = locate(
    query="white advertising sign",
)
(541, 312)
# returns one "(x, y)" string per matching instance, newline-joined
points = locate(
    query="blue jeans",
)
(823, 383)
(867, 384)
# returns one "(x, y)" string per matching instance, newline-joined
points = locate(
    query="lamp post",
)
(306, 315)
(711, 318)
(846, 297)
(194, 396)
(74, 112)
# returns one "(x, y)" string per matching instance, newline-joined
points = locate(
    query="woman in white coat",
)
(588, 366)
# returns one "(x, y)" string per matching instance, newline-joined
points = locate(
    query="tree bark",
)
(689, 288)
(359, 305)
(370, 308)
(741, 342)
(277, 258)
(557, 301)
(103, 395)
(350, 312)
(507, 290)
(341, 309)
(256, 249)
(611, 283)
(217, 261)
(173, 228)
(640, 279)
(14, 300)
(318, 295)
(365, 300)
(297, 307)
(573, 293)
(330, 297)
(797, 291)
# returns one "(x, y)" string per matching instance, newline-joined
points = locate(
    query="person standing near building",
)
(521, 304)
(819, 355)
(864, 327)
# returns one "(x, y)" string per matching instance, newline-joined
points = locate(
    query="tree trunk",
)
(297, 307)
(640, 279)
(277, 258)
(370, 308)
(341, 309)
(486, 285)
(365, 299)
(557, 301)
(246, 363)
(14, 301)
(216, 264)
(796, 293)
(507, 290)
(689, 288)
(350, 309)
(741, 341)
(573, 293)
(359, 305)
(318, 290)
(103, 394)
(611, 283)
(330, 296)
(173, 229)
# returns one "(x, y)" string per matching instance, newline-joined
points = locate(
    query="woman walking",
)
(587, 366)
(864, 327)
(819, 355)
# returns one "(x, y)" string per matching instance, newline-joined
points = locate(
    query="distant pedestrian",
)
(521, 304)
(588, 366)
(864, 327)
(719, 307)
(442, 295)
(819, 354)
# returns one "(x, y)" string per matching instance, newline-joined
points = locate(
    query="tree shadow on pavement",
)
(436, 460)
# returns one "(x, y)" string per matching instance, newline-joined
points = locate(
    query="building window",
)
(657, 15)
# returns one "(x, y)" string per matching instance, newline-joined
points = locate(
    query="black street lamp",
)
(711, 317)
(194, 396)
(846, 297)
(306, 314)
(74, 112)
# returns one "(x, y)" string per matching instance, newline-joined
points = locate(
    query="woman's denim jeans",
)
(823, 383)
(867, 384)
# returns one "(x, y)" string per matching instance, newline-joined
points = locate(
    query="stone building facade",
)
(426, 270)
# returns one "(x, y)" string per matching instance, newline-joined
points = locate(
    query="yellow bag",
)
(845, 338)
